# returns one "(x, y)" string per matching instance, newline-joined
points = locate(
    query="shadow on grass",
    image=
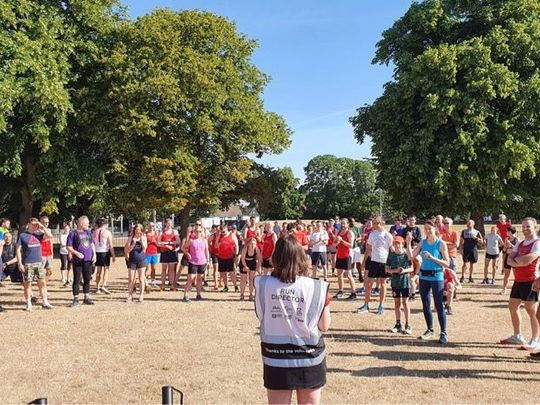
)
(395, 371)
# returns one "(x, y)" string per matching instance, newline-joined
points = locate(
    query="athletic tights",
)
(82, 270)
(427, 288)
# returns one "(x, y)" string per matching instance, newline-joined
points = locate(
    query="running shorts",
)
(196, 268)
(400, 292)
(492, 257)
(225, 265)
(522, 291)
(318, 257)
(285, 378)
(377, 270)
(470, 256)
(169, 257)
(152, 259)
(267, 264)
(103, 259)
(34, 271)
(136, 264)
(343, 263)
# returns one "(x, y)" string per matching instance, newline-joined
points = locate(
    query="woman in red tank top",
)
(152, 251)
(268, 246)
(227, 246)
(168, 241)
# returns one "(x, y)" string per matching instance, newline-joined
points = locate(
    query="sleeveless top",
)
(101, 240)
(170, 240)
(152, 247)
(289, 316)
(268, 246)
(526, 273)
(137, 254)
(226, 247)
(197, 250)
(251, 261)
(343, 251)
(430, 265)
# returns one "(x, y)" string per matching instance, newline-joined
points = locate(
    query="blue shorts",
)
(152, 259)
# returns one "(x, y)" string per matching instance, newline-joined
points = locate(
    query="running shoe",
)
(363, 309)
(141, 298)
(88, 301)
(205, 283)
(199, 297)
(380, 310)
(28, 308)
(535, 355)
(407, 330)
(428, 335)
(375, 292)
(66, 283)
(532, 345)
(503, 291)
(352, 296)
(513, 340)
(484, 281)
(462, 279)
(185, 299)
(338, 295)
(33, 300)
(397, 328)
(236, 289)
(492, 282)
(98, 290)
(74, 303)
(105, 290)
(449, 311)
(225, 289)
(412, 298)
(471, 280)
(361, 291)
(46, 305)
(129, 298)
(443, 338)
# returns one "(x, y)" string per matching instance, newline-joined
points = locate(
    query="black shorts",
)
(196, 268)
(506, 266)
(280, 378)
(401, 292)
(169, 257)
(318, 257)
(136, 264)
(332, 250)
(343, 263)
(103, 259)
(488, 256)
(377, 270)
(225, 265)
(470, 256)
(184, 262)
(522, 291)
(214, 258)
(267, 264)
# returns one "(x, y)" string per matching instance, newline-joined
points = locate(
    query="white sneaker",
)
(98, 291)
(531, 346)
(105, 290)
(28, 307)
(46, 305)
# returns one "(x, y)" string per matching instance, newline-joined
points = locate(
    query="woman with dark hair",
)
(135, 250)
(293, 310)
(434, 254)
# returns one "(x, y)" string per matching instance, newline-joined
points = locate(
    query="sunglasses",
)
(446, 223)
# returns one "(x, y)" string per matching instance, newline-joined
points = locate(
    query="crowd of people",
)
(404, 261)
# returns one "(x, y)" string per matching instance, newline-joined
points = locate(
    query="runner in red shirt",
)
(504, 225)
(227, 245)
(301, 236)
(269, 244)
(46, 250)
(344, 242)
(524, 259)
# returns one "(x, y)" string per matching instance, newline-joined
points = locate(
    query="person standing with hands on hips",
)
(294, 311)
(434, 255)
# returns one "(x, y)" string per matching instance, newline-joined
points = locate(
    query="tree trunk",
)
(479, 222)
(184, 219)
(26, 189)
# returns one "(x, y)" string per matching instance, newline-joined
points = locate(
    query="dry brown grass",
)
(118, 353)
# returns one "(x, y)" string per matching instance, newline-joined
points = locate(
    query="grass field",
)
(116, 352)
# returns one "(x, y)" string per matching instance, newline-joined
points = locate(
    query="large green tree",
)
(340, 186)
(181, 110)
(458, 129)
(274, 192)
(46, 48)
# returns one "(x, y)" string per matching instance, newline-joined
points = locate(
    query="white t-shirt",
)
(380, 242)
(321, 238)
(63, 243)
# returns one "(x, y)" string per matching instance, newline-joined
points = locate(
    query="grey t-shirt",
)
(492, 243)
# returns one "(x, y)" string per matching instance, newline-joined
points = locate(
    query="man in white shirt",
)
(377, 248)
(317, 242)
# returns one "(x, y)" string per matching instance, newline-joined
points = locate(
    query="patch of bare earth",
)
(116, 352)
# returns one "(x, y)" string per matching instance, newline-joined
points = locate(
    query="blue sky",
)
(318, 54)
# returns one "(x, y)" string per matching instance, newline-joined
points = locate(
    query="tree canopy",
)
(457, 130)
(341, 186)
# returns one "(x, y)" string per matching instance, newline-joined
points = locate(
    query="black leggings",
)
(64, 262)
(82, 270)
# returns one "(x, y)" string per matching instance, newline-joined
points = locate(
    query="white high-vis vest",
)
(289, 315)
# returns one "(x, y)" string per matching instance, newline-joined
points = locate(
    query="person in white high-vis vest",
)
(294, 311)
